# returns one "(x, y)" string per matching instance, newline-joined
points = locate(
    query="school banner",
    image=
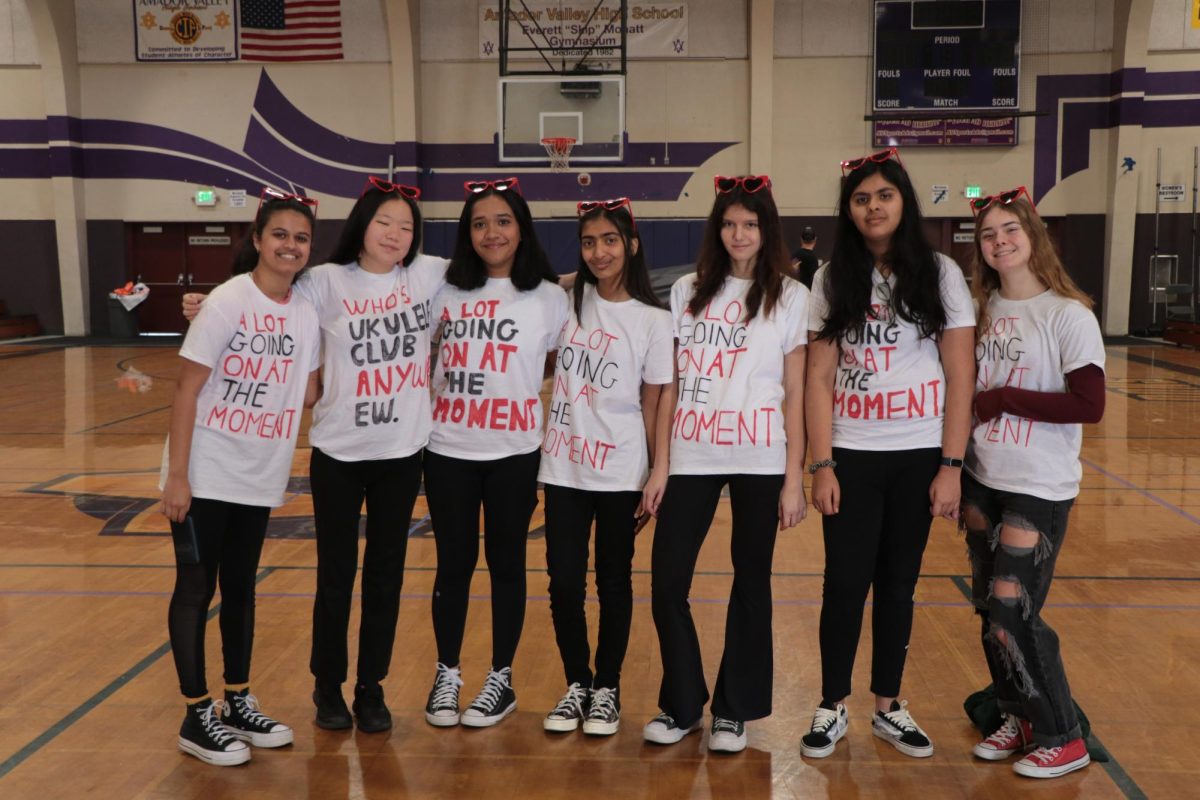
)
(185, 30)
(589, 28)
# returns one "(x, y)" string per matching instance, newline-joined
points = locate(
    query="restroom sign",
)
(1170, 192)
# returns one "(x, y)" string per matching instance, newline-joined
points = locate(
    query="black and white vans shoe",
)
(828, 725)
(899, 728)
(496, 700)
(241, 716)
(202, 735)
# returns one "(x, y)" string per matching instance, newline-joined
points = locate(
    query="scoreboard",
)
(941, 55)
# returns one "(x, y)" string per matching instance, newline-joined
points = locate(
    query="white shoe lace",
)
(247, 707)
(1045, 754)
(571, 704)
(722, 725)
(901, 718)
(210, 719)
(1004, 737)
(445, 687)
(493, 688)
(604, 705)
(823, 720)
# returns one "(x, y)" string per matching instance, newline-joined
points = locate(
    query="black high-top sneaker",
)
(604, 713)
(241, 716)
(202, 735)
(496, 700)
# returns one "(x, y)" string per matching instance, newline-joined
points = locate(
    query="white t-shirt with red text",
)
(248, 411)
(490, 362)
(375, 369)
(889, 390)
(1032, 344)
(595, 433)
(729, 417)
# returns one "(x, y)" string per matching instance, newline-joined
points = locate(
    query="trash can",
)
(122, 324)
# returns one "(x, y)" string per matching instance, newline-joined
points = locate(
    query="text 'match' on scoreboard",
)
(947, 55)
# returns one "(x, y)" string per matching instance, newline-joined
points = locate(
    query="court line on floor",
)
(123, 419)
(80, 711)
(542, 570)
(1130, 485)
(546, 598)
(1183, 369)
(37, 352)
(1112, 767)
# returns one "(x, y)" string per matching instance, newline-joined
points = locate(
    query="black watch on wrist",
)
(947, 461)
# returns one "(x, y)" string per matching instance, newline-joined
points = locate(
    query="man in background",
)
(804, 260)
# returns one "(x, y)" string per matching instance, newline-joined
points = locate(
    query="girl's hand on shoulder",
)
(793, 506)
(945, 493)
(177, 498)
(191, 304)
(826, 491)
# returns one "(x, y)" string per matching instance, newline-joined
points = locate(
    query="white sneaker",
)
(828, 725)
(727, 736)
(664, 730)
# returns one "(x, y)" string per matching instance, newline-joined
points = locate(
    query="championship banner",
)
(185, 30)
(590, 28)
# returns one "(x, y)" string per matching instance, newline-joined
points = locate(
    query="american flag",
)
(291, 30)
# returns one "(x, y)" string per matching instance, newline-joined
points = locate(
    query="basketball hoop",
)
(558, 148)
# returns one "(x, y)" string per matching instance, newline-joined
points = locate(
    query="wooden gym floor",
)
(89, 703)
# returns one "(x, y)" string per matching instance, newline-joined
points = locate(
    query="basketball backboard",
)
(589, 109)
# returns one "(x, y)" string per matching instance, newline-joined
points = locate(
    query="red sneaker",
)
(1014, 736)
(1051, 762)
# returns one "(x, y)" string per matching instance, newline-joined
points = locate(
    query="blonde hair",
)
(1044, 262)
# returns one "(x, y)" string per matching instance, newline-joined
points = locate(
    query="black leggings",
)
(875, 542)
(230, 539)
(456, 488)
(339, 487)
(569, 515)
(743, 690)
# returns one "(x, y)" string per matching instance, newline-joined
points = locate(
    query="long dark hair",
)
(916, 297)
(713, 265)
(635, 277)
(530, 265)
(350, 243)
(246, 258)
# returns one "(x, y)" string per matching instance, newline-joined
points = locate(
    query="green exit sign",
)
(206, 197)
(971, 192)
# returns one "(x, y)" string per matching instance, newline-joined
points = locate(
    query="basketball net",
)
(558, 148)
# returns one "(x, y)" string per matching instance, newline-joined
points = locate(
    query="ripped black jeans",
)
(1021, 649)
